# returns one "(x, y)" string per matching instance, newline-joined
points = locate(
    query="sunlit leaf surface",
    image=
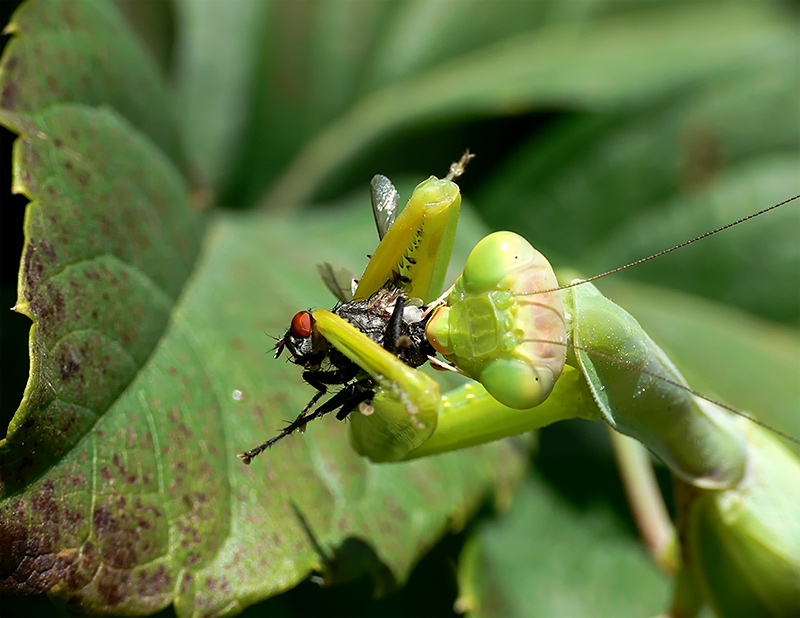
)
(605, 131)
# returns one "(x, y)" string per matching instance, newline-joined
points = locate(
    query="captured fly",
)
(386, 319)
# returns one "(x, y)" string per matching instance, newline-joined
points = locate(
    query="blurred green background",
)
(604, 131)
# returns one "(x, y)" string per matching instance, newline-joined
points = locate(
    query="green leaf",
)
(98, 282)
(121, 491)
(132, 498)
(598, 191)
(67, 51)
(615, 63)
(214, 83)
(513, 567)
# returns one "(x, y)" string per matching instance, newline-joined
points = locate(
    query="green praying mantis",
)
(538, 351)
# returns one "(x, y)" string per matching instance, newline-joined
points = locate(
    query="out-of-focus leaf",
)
(601, 191)
(548, 557)
(627, 60)
(154, 22)
(319, 58)
(68, 51)
(420, 34)
(215, 83)
(311, 69)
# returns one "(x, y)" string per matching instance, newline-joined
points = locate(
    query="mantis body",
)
(539, 352)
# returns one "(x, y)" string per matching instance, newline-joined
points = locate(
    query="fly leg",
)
(346, 399)
(321, 380)
(362, 392)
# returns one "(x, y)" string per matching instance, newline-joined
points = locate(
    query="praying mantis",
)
(539, 350)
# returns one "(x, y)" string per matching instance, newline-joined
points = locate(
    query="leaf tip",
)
(23, 308)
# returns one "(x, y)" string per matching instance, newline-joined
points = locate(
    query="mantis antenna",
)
(671, 249)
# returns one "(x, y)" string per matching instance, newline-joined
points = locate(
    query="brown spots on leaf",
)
(48, 250)
(13, 540)
(122, 472)
(53, 307)
(73, 517)
(191, 536)
(29, 560)
(128, 337)
(124, 535)
(39, 254)
(68, 362)
(84, 565)
(218, 585)
(9, 95)
(46, 506)
(154, 583)
(112, 584)
(34, 268)
(186, 582)
(90, 557)
(42, 564)
(103, 521)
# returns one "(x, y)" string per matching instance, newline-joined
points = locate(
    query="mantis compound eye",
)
(496, 262)
(301, 324)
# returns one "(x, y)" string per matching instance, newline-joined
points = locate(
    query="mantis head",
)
(502, 326)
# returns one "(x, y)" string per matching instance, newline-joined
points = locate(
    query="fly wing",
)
(340, 281)
(384, 203)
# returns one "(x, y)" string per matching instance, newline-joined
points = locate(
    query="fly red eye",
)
(301, 324)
